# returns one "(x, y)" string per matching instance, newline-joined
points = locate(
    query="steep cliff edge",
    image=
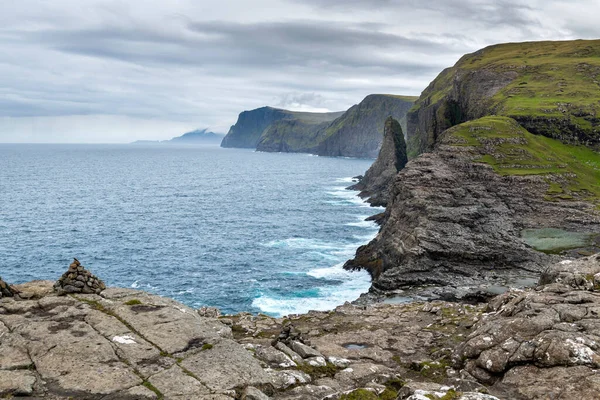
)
(391, 159)
(359, 132)
(550, 88)
(491, 199)
(250, 126)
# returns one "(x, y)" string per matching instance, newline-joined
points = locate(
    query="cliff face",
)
(250, 129)
(354, 133)
(550, 88)
(359, 132)
(473, 210)
(391, 159)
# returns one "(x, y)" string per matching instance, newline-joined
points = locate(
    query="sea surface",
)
(231, 228)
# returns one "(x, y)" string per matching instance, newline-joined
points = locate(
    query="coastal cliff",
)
(490, 200)
(550, 88)
(374, 185)
(357, 132)
(250, 126)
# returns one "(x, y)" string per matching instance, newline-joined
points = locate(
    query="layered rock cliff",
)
(250, 126)
(550, 88)
(392, 157)
(492, 196)
(357, 132)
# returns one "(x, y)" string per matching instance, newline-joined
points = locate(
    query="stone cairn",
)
(78, 280)
(6, 290)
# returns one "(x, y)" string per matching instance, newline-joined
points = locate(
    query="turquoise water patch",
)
(551, 240)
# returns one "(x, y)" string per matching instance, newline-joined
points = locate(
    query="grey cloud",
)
(196, 65)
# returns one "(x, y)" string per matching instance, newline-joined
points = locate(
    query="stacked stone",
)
(6, 290)
(78, 280)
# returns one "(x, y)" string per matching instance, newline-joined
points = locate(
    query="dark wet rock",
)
(391, 159)
(77, 279)
(456, 224)
(7, 290)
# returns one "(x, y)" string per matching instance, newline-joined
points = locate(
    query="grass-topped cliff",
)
(250, 126)
(549, 88)
(357, 132)
(572, 171)
(505, 149)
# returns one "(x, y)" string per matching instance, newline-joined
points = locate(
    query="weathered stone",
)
(174, 383)
(16, 383)
(226, 366)
(252, 393)
(273, 357)
(74, 281)
(303, 350)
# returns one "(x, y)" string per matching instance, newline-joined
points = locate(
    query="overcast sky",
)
(117, 71)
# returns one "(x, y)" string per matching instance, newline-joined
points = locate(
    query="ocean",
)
(231, 228)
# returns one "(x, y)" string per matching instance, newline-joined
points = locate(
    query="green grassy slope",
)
(572, 171)
(550, 88)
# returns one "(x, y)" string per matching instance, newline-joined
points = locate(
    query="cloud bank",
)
(117, 71)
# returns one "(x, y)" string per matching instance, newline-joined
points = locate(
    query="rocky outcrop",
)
(250, 126)
(458, 224)
(458, 215)
(392, 157)
(77, 279)
(359, 132)
(515, 80)
(127, 344)
(6, 290)
(541, 343)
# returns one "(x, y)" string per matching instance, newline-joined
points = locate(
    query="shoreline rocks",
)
(128, 344)
(7, 290)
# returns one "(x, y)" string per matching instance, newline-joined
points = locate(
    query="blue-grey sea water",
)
(231, 228)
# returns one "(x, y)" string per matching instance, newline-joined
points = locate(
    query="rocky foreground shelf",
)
(128, 344)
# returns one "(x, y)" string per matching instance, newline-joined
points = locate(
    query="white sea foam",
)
(329, 297)
(345, 180)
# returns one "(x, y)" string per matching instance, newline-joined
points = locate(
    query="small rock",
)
(303, 350)
(252, 393)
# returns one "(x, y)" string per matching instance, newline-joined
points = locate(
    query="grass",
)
(327, 371)
(572, 171)
(554, 91)
(133, 302)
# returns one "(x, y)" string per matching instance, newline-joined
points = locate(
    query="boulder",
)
(7, 290)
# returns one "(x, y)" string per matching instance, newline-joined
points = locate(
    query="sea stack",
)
(392, 158)
(78, 280)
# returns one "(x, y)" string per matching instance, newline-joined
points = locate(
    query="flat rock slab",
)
(17, 383)
(226, 366)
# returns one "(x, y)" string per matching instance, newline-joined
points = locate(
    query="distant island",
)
(198, 136)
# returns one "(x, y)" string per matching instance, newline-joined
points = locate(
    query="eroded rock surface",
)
(457, 225)
(541, 343)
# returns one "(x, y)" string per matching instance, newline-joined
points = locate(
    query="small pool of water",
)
(551, 240)
(355, 346)
(398, 300)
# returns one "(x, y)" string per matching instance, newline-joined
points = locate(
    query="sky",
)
(112, 71)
